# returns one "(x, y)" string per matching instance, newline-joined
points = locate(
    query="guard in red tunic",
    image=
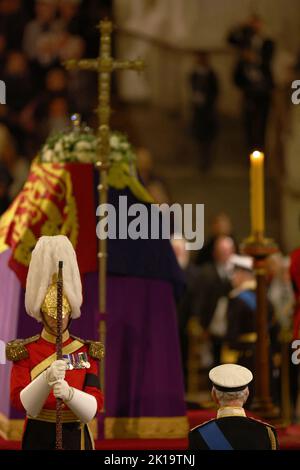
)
(37, 378)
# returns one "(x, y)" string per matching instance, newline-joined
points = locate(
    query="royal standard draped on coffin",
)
(143, 385)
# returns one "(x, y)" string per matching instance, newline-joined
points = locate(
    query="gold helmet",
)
(49, 306)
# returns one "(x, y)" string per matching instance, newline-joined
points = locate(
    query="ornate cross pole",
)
(104, 65)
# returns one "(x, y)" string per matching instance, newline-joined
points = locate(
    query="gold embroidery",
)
(67, 416)
(96, 348)
(225, 411)
(45, 206)
(49, 305)
(16, 350)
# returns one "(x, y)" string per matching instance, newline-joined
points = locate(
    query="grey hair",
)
(225, 397)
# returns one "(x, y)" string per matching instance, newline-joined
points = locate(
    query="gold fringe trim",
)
(12, 429)
(146, 428)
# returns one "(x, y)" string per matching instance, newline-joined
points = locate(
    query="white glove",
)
(83, 405)
(56, 371)
(62, 390)
(34, 395)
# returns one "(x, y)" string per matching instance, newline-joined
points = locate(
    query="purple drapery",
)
(9, 314)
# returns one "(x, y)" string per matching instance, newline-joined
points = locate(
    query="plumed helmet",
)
(40, 292)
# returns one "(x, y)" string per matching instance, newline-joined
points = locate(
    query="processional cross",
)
(104, 65)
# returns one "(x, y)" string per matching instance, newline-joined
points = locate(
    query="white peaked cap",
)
(242, 262)
(44, 263)
(230, 377)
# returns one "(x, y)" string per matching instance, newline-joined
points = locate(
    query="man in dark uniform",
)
(232, 429)
(204, 93)
(253, 75)
(241, 334)
(37, 378)
(213, 284)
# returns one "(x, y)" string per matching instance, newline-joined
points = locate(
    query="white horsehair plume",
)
(44, 263)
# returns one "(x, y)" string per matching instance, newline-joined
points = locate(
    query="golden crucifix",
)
(104, 65)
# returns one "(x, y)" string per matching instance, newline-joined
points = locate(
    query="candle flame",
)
(257, 154)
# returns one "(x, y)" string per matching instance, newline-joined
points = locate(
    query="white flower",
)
(47, 156)
(114, 142)
(82, 145)
(69, 138)
(58, 147)
(124, 146)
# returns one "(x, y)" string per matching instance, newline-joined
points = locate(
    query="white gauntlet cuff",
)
(34, 395)
(71, 394)
(83, 405)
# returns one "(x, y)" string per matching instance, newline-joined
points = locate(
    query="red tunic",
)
(82, 379)
(295, 277)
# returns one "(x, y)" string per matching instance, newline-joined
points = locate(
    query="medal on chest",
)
(77, 361)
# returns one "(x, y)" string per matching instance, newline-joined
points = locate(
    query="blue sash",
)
(249, 297)
(214, 438)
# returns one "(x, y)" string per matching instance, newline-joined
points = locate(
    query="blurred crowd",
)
(36, 37)
(253, 75)
(217, 313)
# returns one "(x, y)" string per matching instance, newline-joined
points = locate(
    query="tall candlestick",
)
(257, 194)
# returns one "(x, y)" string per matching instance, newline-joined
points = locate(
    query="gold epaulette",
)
(96, 348)
(16, 349)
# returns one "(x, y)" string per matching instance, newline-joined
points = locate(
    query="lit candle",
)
(257, 194)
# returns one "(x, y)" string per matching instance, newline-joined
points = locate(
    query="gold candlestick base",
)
(260, 248)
